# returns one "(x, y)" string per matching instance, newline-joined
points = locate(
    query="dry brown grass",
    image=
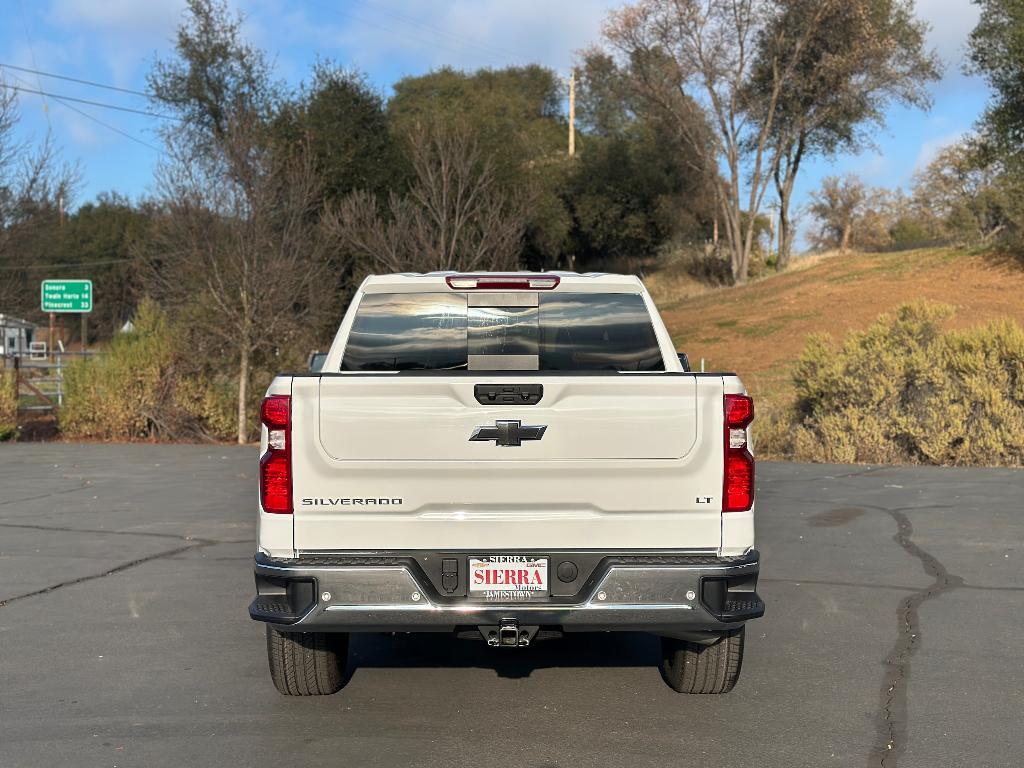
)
(670, 285)
(759, 330)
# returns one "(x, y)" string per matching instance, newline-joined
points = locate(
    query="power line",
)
(70, 79)
(67, 265)
(95, 119)
(106, 125)
(89, 102)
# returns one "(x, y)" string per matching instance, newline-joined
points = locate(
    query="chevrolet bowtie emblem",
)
(508, 433)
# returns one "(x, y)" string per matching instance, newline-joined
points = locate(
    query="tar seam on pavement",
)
(892, 715)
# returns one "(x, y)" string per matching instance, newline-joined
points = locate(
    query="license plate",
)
(508, 577)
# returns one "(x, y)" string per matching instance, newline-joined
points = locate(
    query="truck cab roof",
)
(449, 280)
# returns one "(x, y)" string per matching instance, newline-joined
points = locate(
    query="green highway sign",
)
(66, 295)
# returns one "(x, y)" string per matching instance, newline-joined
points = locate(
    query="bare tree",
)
(9, 146)
(707, 50)
(455, 215)
(837, 206)
(34, 184)
(242, 254)
(31, 178)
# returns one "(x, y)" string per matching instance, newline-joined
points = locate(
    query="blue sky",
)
(115, 41)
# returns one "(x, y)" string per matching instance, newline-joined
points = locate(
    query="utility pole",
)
(572, 113)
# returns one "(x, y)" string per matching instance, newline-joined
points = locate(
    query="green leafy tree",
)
(214, 81)
(628, 196)
(102, 235)
(637, 183)
(996, 51)
(969, 192)
(515, 118)
(344, 122)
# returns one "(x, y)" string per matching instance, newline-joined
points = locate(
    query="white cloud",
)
(951, 22)
(122, 34)
(150, 18)
(471, 33)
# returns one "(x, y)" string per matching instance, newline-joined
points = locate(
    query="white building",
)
(16, 334)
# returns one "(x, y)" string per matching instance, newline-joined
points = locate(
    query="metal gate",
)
(39, 384)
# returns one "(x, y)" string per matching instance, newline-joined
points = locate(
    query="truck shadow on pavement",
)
(442, 650)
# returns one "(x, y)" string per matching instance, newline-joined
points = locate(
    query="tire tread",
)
(306, 663)
(704, 669)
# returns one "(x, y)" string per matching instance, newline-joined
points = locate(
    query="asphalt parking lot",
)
(893, 633)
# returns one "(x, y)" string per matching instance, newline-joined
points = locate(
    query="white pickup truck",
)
(507, 457)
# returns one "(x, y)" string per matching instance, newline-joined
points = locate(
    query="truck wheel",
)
(307, 663)
(694, 668)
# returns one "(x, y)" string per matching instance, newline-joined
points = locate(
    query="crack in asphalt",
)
(892, 718)
(82, 487)
(191, 543)
(865, 585)
(109, 572)
(821, 478)
(176, 536)
(824, 583)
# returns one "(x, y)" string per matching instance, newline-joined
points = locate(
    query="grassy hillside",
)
(759, 330)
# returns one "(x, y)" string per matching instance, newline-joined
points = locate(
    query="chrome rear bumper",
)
(663, 593)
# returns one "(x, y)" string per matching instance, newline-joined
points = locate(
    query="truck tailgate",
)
(432, 418)
(387, 462)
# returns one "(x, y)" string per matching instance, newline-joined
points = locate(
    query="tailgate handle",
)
(508, 394)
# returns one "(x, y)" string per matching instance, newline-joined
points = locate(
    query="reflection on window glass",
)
(566, 332)
(597, 332)
(407, 331)
(503, 331)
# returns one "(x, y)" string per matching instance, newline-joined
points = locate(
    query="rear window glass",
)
(555, 332)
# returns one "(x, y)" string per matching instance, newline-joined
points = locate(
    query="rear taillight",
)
(503, 282)
(276, 463)
(738, 485)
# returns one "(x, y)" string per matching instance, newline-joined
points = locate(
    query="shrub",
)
(213, 404)
(8, 406)
(123, 394)
(157, 383)
(906, 390)
(773, 431)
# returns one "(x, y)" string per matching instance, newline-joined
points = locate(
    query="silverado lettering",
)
(340, 502)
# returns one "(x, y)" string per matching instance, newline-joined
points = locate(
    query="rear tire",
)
(307, 663)
(694, 668)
